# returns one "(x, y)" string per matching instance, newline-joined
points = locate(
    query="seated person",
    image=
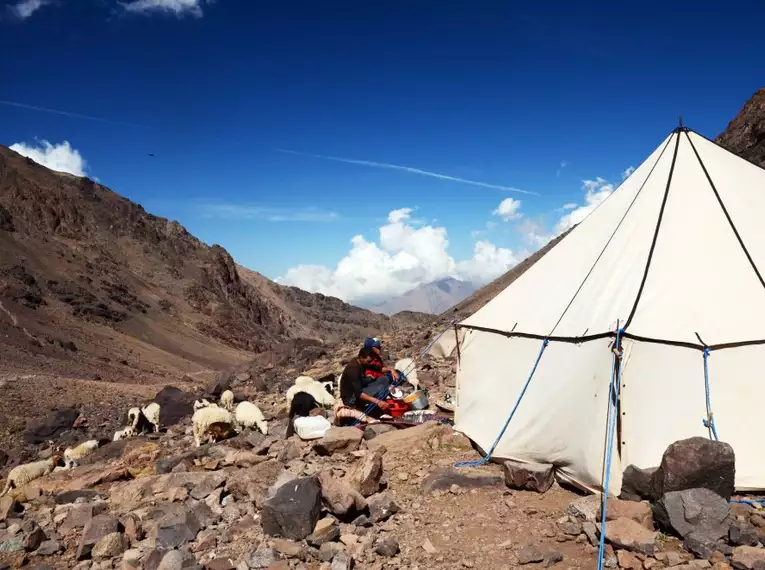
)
(377, 368)
(306, 418)
(358, 389)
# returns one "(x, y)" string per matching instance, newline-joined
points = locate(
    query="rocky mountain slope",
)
(745, 135)
(433, 298)
(93, 286)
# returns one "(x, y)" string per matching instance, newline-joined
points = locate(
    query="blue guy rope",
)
(485, 459)
(384, 393)
(709, 421)
(613, 414)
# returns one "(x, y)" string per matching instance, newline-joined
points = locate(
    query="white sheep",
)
(72, 455)
(227, 400)
(248, 415)
(312, 387)
(204, 418)
(124, 433)
(23, 474)
(199, 404)
(145, 419)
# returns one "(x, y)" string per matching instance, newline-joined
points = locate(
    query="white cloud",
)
(569, 206)
(627, 172)
(61, 157)
(26, 8)
(508, 209)
(178, 7)
(248, 212)
(595, 192)
(563, 164)
(404, 257)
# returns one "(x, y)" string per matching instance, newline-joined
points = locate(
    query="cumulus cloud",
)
(26, 8)
(60, 157)
(227, 211)
(595, 192)
(508, 209)
(177, 7)
(404, 257)
(626, 174)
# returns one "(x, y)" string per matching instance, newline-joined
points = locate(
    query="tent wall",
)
(562, 417)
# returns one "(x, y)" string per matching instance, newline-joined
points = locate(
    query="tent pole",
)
(457, 340)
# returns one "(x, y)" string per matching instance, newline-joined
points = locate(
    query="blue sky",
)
(535, 96)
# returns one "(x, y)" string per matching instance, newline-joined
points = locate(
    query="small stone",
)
(326, 530)
(628, 560)
(15, 544)
(261, 558)
(743, 534)
(48, 548)
(387, 546)
(328, 551)
(529, 554)
(756, 520)
(8, 507)
(402, 476)
(428, 547)
(628, 534)
(746, 557)
(349, 539)
(110, 546)
(339, 439)
(34, 539)
(381, 507)
(537, 477)
(342, 561)
(551, 559)
(288, 548)
(468, 564)
(173, 560)
(570, 528)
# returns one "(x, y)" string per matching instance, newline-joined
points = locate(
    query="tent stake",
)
(457, 340)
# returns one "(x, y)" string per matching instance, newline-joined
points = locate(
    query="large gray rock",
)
(366, 473)
(294, 510)
(340, 497)
(700, 511)
(381, 507)
(443, 478)
(696, 463)
(537, 477)
(171, 525)
(636, 483)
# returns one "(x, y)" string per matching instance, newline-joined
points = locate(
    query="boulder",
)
(95, 529)
(387, 546)
(261, 558)
(339, 440)
(34, 538)
(381, 507)
(701, 511)
(636, 483)
(294, 510)
(695, 463)
(175, 405)
(48, 548)
(630, 535)
(50, 427)
(699, 545)
(529, 554)
(365, 475)
(537, 477)
(172, 560)
(618, 509)
(405, 440)
(131, 495)
(442, 479)
(339, 497)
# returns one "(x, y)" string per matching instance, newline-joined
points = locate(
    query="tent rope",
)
(485, 459)
(384, 393)
(613, 414)
(709, 421)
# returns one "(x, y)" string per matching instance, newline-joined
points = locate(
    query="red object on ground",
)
(397, 408)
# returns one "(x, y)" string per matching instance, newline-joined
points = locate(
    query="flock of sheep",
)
(211, 422)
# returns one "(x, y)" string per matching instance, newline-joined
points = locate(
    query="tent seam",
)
(656, 231)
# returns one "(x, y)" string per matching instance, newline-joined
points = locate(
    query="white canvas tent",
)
(672, 259)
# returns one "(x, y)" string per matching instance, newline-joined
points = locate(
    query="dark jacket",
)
(351, 382)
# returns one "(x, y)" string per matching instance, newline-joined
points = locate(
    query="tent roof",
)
(672, 256)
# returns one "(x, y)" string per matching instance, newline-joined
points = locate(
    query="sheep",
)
(72, 455)
(227, 400)
(23, 474)
(144, 419)
(199, 404)
(248, 415)
(312, 387)
(409, 368)
(204, 418)
(124, 433)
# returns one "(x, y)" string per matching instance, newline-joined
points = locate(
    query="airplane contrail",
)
(69, 114)
(407, 169)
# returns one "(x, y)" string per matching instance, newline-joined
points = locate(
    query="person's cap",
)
(372, 342)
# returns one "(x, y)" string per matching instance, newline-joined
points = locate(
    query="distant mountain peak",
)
(432, 298)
